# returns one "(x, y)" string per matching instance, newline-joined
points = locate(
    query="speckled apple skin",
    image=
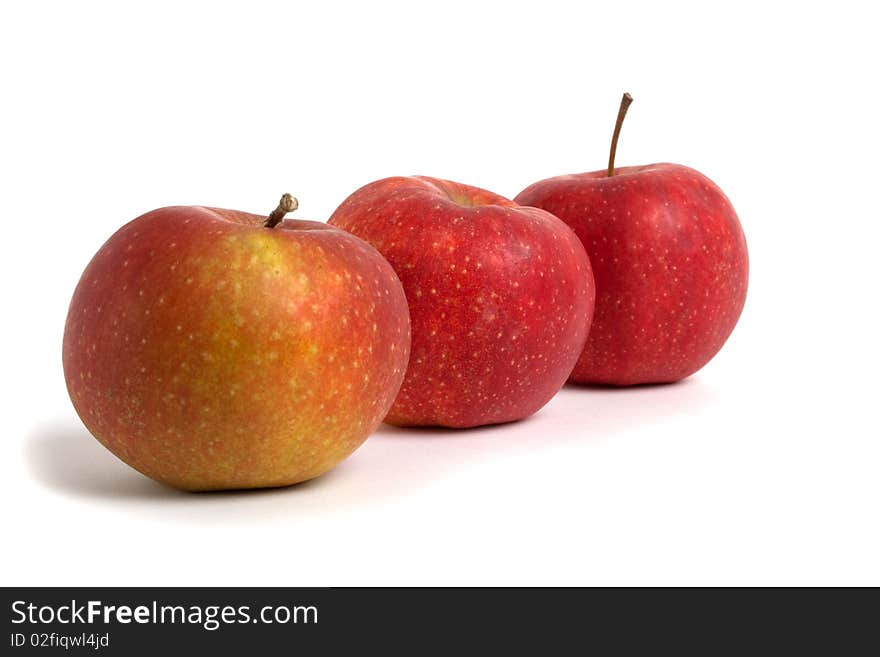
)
(209, 352)
(671, 267)
(500, 298)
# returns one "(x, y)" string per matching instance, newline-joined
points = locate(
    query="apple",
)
(670, 262)
(500, 297)
(217, 349)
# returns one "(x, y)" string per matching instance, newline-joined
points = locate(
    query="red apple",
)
(215, 349)
(670, 262)
(500, 297)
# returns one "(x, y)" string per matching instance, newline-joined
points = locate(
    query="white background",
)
(761, 469)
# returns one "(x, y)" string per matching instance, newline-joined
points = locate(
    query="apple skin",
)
(209, 352)
(500, 297)
(671, 267)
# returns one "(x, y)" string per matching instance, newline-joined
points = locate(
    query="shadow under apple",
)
(403, 458)
(64, 457)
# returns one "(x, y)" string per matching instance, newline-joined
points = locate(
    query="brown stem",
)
(624, 105)
(287, 204)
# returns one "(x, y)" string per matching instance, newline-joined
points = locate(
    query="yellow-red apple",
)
(217, 349)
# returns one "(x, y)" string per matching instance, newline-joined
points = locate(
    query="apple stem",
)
(624, 105)
(287, 204)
